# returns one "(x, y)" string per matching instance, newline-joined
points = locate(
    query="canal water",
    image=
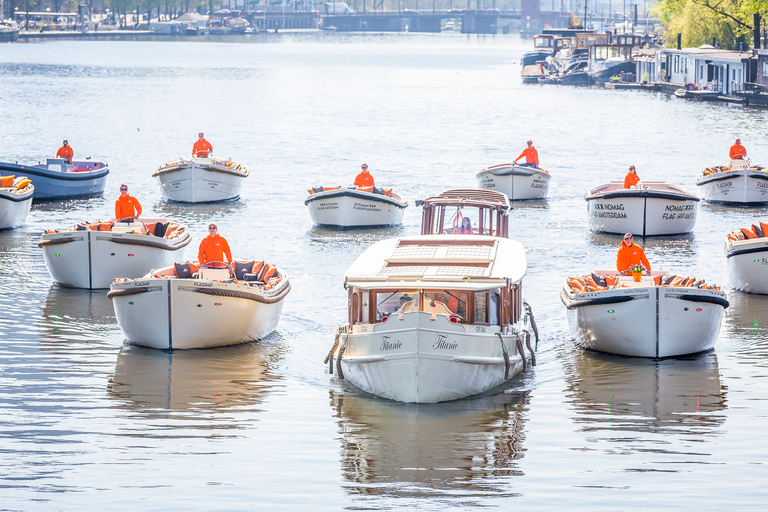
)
(88, 422)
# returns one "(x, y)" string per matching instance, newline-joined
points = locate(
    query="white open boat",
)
(92, 255)
(737, 183)
(663, 315)
(201, 179)
(747, 252)
(516, 181)
(650, 208)
(16, 195)
(355, 206)
(439, 316)
(185, 306)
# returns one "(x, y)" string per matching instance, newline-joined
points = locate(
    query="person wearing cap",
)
(631, 254)
(65, 151)
(364, 179)
(631, 179)
(737, 152)
(201, 148)
(127, 207)
(531, 156)
(213, 248)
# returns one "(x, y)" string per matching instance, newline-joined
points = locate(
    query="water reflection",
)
(722, 209)
(459, 448)
(746, 321)
(676, 243)
(199, 212)
(634, 394)
(205, 381)
(531, 204)
(77, 306)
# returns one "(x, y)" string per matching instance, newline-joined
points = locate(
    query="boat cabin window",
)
(455, 301)
(389, 302)
(452, 220)
(457, 304)
(486, 310)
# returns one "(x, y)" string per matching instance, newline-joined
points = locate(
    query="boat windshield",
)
(458, 305)
(458, 220)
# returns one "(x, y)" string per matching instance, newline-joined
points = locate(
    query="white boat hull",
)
(420, 360)
(748, 265)
(518, 183)
(740, 186)
(346, 208)
(642, 213)
(657, 322)
(173, 314)
(199, 180)
(93, 259)
(14, 207)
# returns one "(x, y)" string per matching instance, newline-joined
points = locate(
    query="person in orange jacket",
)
(737, 152)
(531, 156)
(201, 147)
(631, 179)
(631, 254)
(127, 207)
(65, 151)
(364, 179)
(213, 248)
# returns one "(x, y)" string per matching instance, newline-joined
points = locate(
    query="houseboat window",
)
(456, 301)
(389, 302)
(364, 316)
(481, 308)
(355, 308)
(765, 68)
(493, 310)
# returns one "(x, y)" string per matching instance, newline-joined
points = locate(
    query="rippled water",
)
(88, 422)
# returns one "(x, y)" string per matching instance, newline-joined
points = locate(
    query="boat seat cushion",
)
(183, 270)
(748, 233)
(764, 227)
(387, 192)
(666, 280)
(252, 278)
(242, 268)
(759, 231)
(23, 183)
(269, 271)
(7, 181)
(377, 190)
(599, 280)
(160, 229)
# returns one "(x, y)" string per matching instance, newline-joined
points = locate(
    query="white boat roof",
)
(471, 262)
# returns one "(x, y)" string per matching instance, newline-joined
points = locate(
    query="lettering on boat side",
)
(389, 345)
(609, 206)
(762, 185)
(725, 184)
(681, 208)
(537, 183)
(673, 216)
(141, 283)
(205, 285)
(479, 328)
(366, 207)
(328, 206)
(487, 183)
(442, 343)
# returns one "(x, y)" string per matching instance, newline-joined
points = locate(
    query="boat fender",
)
(706, 299)
(533, 322)
(55, 241)
(528, 344)
(342, 351)
(506, 356)
(329, 358)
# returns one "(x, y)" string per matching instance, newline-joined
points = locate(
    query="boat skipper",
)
(65, 152)
(531, 156)
(631, 179)
(127, 207)
(213, 248)
(631, 254)
(364, 179)
(201, 147)
(737, 152)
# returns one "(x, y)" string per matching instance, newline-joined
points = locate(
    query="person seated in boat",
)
(465, 228)
(631, 254)
(364, 179)
(213, 248)
(738, 152)
(127, 207)
(201, 148)
(65, 152)
(631, 179)
(531, 156)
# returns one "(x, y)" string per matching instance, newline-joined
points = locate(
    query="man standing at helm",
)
(201, 148)
(738, 152)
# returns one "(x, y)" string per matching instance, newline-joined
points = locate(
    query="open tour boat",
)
(662, 315)
(739, 183)
(349, 207)
(747, 252)
(59, 179)
(439, 316)
(185, 306)
(15, 200)
(92, 255)
(201, 179)
(518, 182)
(649, 208)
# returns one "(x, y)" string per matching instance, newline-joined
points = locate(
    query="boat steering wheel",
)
(209, 263)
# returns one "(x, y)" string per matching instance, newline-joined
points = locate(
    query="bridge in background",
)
(472, 21)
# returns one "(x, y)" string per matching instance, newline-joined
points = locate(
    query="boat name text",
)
(682, 208)
(388, 345)
(442, 343)
(609, 206)
(205, 285)
(366, 207)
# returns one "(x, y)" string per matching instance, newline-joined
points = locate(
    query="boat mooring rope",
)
(528, 344)
(342, 349)
(506, 356)
(329, 357)
(533, 324)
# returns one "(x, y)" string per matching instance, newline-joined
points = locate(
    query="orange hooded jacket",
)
(630, 180)
(737, 152)
(213, 248)
(531, 156)
(364, 179)
(628, 256)
(202, 148)
(127, 207)
(65, 152)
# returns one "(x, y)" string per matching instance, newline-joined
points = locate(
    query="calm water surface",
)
(87, 421)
